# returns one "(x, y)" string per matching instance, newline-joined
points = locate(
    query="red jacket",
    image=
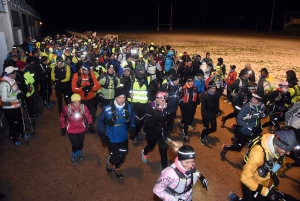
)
(84, 82)
(73, 124)
(231, 77)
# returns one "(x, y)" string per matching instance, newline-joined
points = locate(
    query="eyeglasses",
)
(190, 80)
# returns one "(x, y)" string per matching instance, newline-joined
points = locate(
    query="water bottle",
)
(276, 167)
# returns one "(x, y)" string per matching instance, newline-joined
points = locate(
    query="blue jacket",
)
(168, 63)
(249, 117)
(200, 84)
(118, 132)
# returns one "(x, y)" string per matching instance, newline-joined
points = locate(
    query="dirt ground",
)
(42, 170)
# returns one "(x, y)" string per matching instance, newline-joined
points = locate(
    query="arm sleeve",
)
(164, 181)
(101, 120)
(149, 119)
(68, 74)
(96, 86)
(74, 87)
(241, 115)
(53, 74)
(88, 115)
(132, 115)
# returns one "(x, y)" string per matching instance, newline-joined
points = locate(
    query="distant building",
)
(292, 22)
(18, 21)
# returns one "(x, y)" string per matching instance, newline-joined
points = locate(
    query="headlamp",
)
(76, 115)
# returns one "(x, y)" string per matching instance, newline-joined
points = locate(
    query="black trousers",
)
(14, 118)
(233, 114)
(35, 99)
(90, 104)
(117, 152)
(162, 149)
(249, 195)
(29, 106)
(45, 92)
(187, 117)
(241, 141)
(139, 110)
(209, 127)
(63, 88)
(76, 141)
(171, 124)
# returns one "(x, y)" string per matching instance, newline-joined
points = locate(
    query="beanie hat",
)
(86, 65)
(174, 77)
(244, 71)
(285, 139)
(161, 95)
(211, 84)
(20, 65)
(220, 60)
(30, 59)
(119, 92)
(190, 77)
(233, 67)
(259, 96)
(199, 72)
(75, 97)
(138, 68)
(186, 152)
(44, 58)
(265, 70)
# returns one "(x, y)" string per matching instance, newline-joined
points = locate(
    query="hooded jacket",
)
(249, 176)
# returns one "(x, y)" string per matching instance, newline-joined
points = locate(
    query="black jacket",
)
(210, 105)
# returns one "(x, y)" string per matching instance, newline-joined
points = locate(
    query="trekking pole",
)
(29, 119)
(24, 128)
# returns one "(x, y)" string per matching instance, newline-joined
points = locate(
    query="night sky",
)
(95, 15)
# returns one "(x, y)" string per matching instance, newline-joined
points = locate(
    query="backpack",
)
(251, 144)
(114, 117)
(80, 79)
(106, 85)
(3, 80)
(70, 110)
(292, 116)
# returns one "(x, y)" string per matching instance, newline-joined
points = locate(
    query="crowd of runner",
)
(139, 88)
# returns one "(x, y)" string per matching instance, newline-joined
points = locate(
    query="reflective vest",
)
(29, 81)
(182, 187)
(139, 93)
(151, 70)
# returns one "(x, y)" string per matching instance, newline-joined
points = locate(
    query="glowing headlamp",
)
(76, 115)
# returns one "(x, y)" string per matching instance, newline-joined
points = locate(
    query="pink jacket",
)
(169, 178)
(75, 125)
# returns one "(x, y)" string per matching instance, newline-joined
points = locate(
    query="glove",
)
(63, 131)
(86, 90)
(203, 181)
(100, 95)
(104, 138)
(91, 129)
(274, 195)
(20, 96)
(131, 130)
(256, 130)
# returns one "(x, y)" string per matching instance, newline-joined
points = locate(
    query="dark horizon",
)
(89, 15)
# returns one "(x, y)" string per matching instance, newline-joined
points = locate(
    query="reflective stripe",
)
(122, 150)
(140, 92)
